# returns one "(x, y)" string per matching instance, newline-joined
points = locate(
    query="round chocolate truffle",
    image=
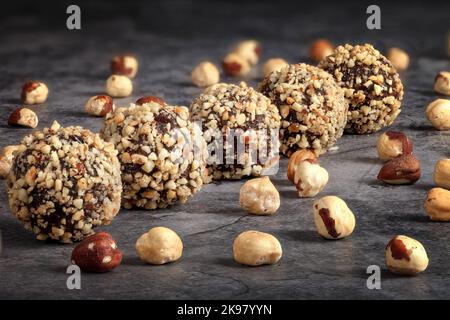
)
(312, 107)
(240, 126)
(64, 182)
(161, 152)
(371, 85)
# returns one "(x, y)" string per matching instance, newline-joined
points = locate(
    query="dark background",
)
(170, 38)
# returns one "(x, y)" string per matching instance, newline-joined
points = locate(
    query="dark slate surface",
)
(170, 38)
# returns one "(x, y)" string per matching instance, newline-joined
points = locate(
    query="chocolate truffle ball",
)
(312, 107)
(64, 182)
(371, 84)
(162, 153)
(240, 127)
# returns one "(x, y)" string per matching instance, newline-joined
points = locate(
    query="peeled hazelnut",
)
(295, 159)
(125, 65)
(97, 253)
(402, 170)
(442, 83)
(205, 74)
(320, 49)
(259, 196)
(274, 64)
(6, 158)
(34, 92)
(310, 178)
(159, 245)
(119, 86)
(333, 219)
(150, 99)
(393, 144)
(234, 65)
(254, 248)
(406, 256)
(437, 204)
(250, 50)
(398, 58)
(23, 117)
(438, 113)
(442, 173)
(99, 105)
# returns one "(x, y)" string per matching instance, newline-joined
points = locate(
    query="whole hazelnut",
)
(441, 174)
(125, 65)
(442, 83)
(254, 248)
(119, 86)
(34, 92)
(23, 117)
(150, 99)
(438, 113)
(99, 105)
(310, 178)
(295, 159)
(393, 144)
(234, 65)
(250, 50)
(274, 64)
(398, 58)
(406, 256)
(333, 218)
(6, 158)
(205, 74)
(320, 49)
(159, 245)
(259, 196)
(401, 170)
(437, 204)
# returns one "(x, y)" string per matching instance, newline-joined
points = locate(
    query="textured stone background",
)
(170, 38)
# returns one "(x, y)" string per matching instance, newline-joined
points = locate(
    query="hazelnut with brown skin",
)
(442, 83)
(235, 65)
(401, 170)
(398, 58)
(150, 99)
(6, 158)
(333, 218)
(250, 50)
(259, 196)
(295, 159)
(437, 204)
(205, 74)
(441, 174)
(393, 144)
(125, 65)
(310, 178)
(438, 113)
(406, 256)
(99, 105)
(274, 64)
(34, 92)
(23, 117)
(320, 49)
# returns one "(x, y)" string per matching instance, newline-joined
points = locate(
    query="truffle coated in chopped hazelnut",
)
(442, 83)
(332, 217)
(274, 64)
(438, 113)
(250, 50)
(259, 196)
(254, 248)
(406, 256)
(235, 65)
(441, 174)
(393, 144)
(159, 245)
(205, 74)
(125, 65)
(34, 92)
(118, 86)
(398, 58)
(320, 49)
(437, 204)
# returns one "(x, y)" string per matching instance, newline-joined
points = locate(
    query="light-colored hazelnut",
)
(6, 158)
(320, 49)
(234, 65)
(393, 144)
(99, 105)
(442, 83)
(437, 204)
(205, 74)
(274, 64)
(296, 158)
(333, 218)
(250, 50)
(442, 173)
(125, 65)
(159, 245)
(23, 117)
(34, 92)
(399, 58)
(401, 170)
(254, 248)
(406, 256)
(310, 178)
(438, 113)
(259, 196)
(119, 86)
